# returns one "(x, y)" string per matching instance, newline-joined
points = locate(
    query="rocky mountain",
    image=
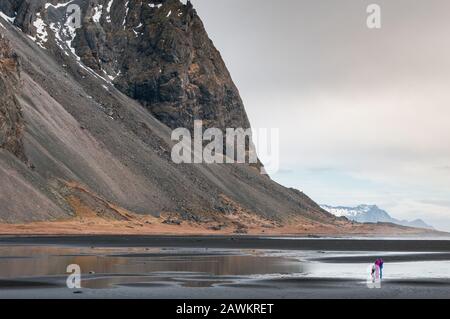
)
(372, 214)
(11, 118)
(156, 52)
(86, 114)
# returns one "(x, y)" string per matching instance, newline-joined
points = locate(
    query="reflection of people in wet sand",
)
(372, 274)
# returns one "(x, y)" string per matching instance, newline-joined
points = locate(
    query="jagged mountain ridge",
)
(372, 214)
(157, 54)
(95, 119)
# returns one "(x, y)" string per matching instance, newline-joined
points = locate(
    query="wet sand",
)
(219, 267)
(303, 288)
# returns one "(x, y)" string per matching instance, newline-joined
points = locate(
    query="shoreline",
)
(236, 242)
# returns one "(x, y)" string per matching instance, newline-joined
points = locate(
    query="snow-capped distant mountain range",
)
(372, 214)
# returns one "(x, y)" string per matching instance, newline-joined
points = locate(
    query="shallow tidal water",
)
(31, 266)
(107, 267)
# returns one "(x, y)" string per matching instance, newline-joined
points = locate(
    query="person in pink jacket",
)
(379, 265)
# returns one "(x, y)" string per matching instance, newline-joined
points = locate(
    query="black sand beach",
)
(264, 289)
(218, 267)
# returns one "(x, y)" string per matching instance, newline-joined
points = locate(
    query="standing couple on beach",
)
(375, 274)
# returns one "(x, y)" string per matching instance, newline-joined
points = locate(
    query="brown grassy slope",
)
(96, 216)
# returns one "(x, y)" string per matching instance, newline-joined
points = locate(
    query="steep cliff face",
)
(159, 54)
(11, 118)
(24, 195)
(23, 11)
(154, 51)
(98, 104)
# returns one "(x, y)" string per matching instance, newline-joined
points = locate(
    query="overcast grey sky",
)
(364, 114)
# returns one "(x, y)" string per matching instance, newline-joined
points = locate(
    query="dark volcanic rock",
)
(9, 7)
(11, 118)
(24, 12)
(164, 59)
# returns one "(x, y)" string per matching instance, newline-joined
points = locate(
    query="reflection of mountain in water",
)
(102, 268)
